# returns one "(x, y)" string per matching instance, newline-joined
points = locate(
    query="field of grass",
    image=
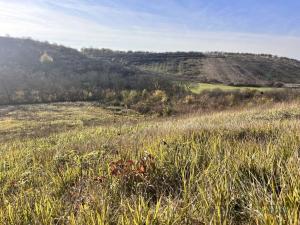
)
(199, 87)
(42, 119)
(77, 163)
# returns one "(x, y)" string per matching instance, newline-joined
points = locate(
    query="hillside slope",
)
(227, 68)
(232, 167)
(32, 71)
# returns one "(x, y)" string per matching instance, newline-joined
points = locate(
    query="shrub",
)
(160, 95)
(189, 99)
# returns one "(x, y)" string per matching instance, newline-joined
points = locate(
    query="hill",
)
(35, 72)
(32, 71)
(226, 68)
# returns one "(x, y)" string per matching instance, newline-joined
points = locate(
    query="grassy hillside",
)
(32, 72)
(226, 68)
(226, 156)
(97, 167)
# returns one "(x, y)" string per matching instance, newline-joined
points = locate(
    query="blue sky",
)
(258, 26)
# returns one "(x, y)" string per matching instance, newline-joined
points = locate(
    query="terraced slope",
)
(227, 68)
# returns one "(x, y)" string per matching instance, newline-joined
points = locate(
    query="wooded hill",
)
(32, 71)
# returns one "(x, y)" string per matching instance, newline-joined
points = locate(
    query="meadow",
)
(81, 163)
(197, 88)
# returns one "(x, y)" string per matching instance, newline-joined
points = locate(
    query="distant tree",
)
(45, 58)
(5, 87)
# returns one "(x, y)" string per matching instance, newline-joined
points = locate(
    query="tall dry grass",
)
(233, 167)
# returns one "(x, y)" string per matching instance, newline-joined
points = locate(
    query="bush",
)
(189, 99)
(160, 95)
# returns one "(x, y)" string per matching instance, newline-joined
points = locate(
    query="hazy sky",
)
(258, 26)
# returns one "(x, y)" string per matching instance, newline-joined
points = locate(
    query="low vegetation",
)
(162, 103)
(102, 166)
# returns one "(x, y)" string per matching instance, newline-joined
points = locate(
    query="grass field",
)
(199, 87)
(77, 163)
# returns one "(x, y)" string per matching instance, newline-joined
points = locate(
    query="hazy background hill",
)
(32, 71)
(227, 68)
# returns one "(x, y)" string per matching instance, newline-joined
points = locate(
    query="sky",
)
(255, 26)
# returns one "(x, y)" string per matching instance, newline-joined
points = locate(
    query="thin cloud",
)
(78, 24)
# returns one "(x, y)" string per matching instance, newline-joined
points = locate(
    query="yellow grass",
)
(231, 167)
